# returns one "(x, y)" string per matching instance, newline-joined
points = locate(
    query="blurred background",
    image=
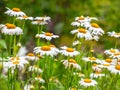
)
(62, 13)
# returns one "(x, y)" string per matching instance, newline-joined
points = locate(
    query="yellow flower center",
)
(117, 54)
(45, 48)
(96, 72)
(16, 62)
(112, 51)
(39, 21)
(31, 87)
(108, 60)
(82, 30)
(95, 25)
(94, 64)
(106, 64)
(49, 34)
(16, 9)
(25, 16)
(73, 88)
(117, 34)
(81, 18)
(117, 67)
(70, 49)
(39, 77)
(15, 58)
(10, 26)
(72, 61)
(30, 54)
(87, 80)
(92, 58)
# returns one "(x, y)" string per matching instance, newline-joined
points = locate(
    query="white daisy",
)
(81, 19)
(24, 18)
(46, 50)
(71, 63)
(38, 78)
(115, 55)
(96, 75)
(87, 82)
(48, 36)
(94, 28)
(91, 59)
(75, 43)
(96, 67)
(32, 57)
(111, 51)
(35, 68)
(14, 12)
(11, 29)
(45, 18)
(113, 34)
(82, 33)
(41, 20)
(110, 61)
(75, 24)
(114, 69)
(68, 51)
(29, 87)
(105, 65)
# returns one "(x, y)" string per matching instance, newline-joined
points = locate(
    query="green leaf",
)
(3, 44)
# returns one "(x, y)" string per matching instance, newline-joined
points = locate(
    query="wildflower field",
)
(48, 63)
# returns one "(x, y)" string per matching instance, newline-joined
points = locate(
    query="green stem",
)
(116, 43)
(14, 46)
(10, 45)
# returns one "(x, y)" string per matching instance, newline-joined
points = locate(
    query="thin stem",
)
(14, 46)
(116, 43)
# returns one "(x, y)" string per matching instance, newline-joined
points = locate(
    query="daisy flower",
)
(111, 51)
(114, 69)
(48, 36)
(87, 82)
(81, 19)
(24, 18)
(76, 24)
(82, 33)
(32, 57)
(109, 61)
(94, 29)
(11, 29)
(35, 68)
(14, 12)
(68, 51)
(46, 50)
(75, 43)
(113, 34)
(91, 59)
(105, 65)
(96, 67)
(71, 63)
(116, 55)
(38, 78)
(29, 87)
(41, 20)
(96, 75)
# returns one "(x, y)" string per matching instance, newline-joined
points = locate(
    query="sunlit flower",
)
(81, 19)
(91, 59)
(96, 75)
(68, 51)
(46, 50)
(114, 69)
(105, 65)
(113, 34)
(71, 63)
(11, 29)
(110, 61)
(111, 51)
(40, 79)
(76, 24)
(41, 20)
(14, 62)
(116, 55)
(96, 67)
(24, 18)
(35, 68)
(29, 87)
(79, 74)
(94, 29)
(32, 57)
(75, 43)
(48, 36)
(14, 12)
(87, 82)
(82, 33)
